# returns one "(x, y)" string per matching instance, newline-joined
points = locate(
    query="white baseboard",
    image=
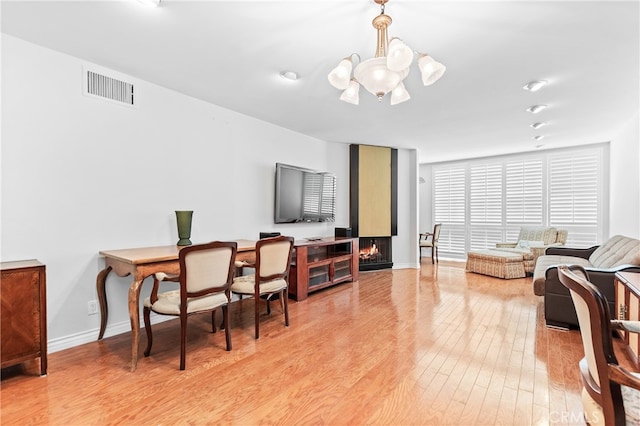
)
(77, 339)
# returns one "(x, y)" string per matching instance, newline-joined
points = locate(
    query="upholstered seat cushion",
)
(168, 303)
(245, 284)
(539, 274)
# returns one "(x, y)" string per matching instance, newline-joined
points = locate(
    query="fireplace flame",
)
(370, 252)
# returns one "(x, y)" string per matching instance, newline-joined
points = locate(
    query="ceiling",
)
(230, 53)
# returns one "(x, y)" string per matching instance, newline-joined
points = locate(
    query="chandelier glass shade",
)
(385, 72)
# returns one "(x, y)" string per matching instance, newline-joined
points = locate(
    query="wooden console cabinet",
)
(627, 287)
(23, 314)
(322, 263)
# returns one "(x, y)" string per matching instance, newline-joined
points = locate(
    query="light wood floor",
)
(431, 346)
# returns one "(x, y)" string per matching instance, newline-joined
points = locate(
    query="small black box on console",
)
(343, 232)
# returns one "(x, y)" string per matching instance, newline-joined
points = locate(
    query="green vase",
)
(183, 217)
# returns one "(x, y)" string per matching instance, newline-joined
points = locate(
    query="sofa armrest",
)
(568, 251)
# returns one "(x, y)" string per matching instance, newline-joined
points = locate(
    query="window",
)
(482, 202)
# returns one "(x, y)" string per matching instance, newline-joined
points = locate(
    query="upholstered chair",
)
(430, 240)
(271, 277)
(610, 394)
(206, 274)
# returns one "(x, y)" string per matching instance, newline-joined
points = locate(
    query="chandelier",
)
(386, 71)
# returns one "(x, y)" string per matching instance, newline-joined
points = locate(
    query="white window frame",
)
(481, 227)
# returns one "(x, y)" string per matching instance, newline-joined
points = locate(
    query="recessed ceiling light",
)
(539, 146)
(150, 3)
(537, 138)
(289, 75)
(534, 85)
(538, 124)
(534, 109)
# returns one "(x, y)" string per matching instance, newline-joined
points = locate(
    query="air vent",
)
(108, 88)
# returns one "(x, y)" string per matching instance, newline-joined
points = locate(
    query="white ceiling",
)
(230, 53)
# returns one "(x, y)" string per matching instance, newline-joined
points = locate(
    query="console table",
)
(627, 288)
(322, 263)
(141, 263)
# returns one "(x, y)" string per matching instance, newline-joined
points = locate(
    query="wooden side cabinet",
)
(322, 263)
(23, 313)
(627, 287)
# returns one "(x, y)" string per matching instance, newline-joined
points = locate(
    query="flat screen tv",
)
(304, 195)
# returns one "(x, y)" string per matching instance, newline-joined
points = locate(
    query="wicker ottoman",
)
(499, 264)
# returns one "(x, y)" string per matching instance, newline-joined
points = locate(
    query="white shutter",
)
(485, 194)
(563, 188)
(449, 195)
(523, 195)
(574, 194)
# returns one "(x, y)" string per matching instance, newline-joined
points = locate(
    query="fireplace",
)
(375, 253)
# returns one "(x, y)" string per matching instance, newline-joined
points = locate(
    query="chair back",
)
(206, 268)
(273, 258)
(594, 320)
(436, 232)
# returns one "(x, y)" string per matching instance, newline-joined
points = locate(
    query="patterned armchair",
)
(533, 242)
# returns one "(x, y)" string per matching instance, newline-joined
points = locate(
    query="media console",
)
(322, 263)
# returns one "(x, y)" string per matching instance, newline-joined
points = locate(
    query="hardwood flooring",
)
(432, 346)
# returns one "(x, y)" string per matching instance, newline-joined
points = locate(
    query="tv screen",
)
(304, 195)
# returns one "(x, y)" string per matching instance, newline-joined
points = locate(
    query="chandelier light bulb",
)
(399, 94)
(430, 69)
(340, 76)
(351, 93)
(399, 55)
(538, 124)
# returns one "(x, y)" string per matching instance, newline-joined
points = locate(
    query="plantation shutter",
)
(449, 207)
(524, 192)
(485, 205)
(575, 194)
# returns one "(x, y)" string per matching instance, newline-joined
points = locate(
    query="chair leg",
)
(433, 254)
(285, 297)
(437, 259)
(227, 331)
(257, 315)
(213, 321)
(147, 327)
(183, 339)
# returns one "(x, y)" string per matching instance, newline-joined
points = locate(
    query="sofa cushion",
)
(539, 274)
(538, 233)
(617, 250)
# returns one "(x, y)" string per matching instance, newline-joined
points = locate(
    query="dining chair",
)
(206, 275)
(271, 277)
(610, 393)
(430, 240)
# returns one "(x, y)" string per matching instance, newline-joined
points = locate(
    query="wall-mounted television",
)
(304, 195)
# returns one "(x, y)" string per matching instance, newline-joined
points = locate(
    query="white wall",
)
(624, 211)
(80, 175)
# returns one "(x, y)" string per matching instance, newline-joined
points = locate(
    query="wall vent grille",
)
(109, 88)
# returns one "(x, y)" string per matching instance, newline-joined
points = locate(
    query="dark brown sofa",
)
(619, 253)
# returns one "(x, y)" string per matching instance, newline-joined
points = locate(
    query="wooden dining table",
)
(141, 263)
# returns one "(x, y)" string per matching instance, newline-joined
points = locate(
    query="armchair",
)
(273, 259)
(206, 274)
(430, 240)
(610, 393)
(532, 243)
